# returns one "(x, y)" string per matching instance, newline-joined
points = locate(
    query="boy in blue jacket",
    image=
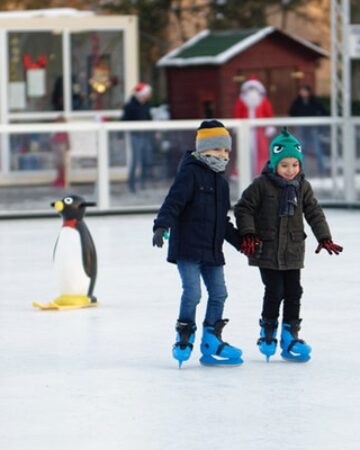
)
(195, 211)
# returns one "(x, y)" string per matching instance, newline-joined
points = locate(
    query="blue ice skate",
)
(267, 341)
(185, 337)
(293, 348)
(216, 352)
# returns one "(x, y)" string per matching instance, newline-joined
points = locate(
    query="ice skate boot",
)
(267, 341)
(293, 348)
(216, 352)
(185, 337)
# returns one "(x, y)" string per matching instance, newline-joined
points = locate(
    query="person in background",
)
(138, 108)
(196, 212)
(307, 105)
(253, 103)
(60, 144)
(269, 217)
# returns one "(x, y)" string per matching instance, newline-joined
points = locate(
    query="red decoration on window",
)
(40, 63)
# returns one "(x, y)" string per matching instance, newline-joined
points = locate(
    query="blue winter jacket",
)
(195, 210)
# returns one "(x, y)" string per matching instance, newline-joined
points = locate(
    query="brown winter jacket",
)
(283, 238)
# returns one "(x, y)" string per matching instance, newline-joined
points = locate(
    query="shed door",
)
(282, 89)
(206, 105)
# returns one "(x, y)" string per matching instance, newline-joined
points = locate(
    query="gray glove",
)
(158, 238)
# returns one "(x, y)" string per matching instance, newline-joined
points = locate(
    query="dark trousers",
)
(281, 285)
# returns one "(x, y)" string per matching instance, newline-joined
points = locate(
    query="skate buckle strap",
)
(269, 326)
(221, 347)
(293, 342)
(218, 327)
(185, 331)
(217, 331)
(183, 345)
(265, 339)
(222, 344)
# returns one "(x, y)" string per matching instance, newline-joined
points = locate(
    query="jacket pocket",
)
(205, 206)
(296, 246)
(298, 236)
(267, 250)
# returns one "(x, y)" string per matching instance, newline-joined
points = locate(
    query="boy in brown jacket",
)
(269, 217)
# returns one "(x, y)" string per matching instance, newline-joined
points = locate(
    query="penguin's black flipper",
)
(89, 255)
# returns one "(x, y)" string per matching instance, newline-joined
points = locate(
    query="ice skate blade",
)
(267, 355)
(180, 356)
(211, 361)
(295, 358)
(267, 351)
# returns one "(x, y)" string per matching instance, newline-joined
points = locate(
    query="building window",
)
(35, 65)
(97, 68)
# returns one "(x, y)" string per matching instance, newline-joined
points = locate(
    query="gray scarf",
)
(213, 162)
(289, 194)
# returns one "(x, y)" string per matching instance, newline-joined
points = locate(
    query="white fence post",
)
(349, 160)
(244, 166)
(103, 168)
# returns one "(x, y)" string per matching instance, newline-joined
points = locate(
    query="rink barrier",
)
(241, 130)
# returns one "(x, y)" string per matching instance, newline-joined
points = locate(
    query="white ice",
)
(104, 378)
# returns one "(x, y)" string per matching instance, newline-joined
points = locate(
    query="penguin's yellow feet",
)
(67, 302)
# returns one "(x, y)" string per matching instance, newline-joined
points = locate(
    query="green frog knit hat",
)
(284, 145)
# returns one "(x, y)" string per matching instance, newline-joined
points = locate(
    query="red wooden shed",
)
(204, 74)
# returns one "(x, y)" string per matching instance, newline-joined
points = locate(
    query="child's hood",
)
(189, 159)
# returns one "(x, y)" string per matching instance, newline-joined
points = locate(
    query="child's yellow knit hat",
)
(212, 134)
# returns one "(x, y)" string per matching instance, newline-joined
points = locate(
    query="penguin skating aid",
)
(75, 261)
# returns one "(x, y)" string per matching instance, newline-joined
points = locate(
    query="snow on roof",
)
(218, 47)
(50, 12)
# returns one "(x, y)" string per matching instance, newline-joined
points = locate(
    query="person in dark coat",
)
(269, 218)
(307, 105)
(138, 108)
(195, 211)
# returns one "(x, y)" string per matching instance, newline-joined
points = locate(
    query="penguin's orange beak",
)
(58, 205)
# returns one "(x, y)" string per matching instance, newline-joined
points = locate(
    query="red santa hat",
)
(142, 89)
(253, 83)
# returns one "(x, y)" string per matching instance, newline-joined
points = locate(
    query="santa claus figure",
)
(253, 103)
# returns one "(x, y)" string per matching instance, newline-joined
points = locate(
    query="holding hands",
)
(250, 244)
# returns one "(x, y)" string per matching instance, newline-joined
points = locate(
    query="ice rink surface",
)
(104, 378)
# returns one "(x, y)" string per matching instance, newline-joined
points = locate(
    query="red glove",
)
(329, 245)
(249, 244)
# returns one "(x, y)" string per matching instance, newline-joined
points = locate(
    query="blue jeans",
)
(213, 276)
(141, 159)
